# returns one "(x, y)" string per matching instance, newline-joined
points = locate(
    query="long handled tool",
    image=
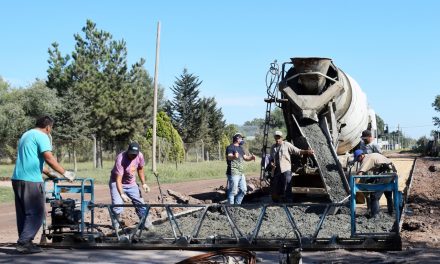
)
(173, 222)
(158, 184)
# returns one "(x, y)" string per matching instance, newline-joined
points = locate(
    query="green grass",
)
(6, 195)
(6, 170)
(188, 171)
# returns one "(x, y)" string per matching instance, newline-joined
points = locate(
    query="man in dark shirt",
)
(235, 158)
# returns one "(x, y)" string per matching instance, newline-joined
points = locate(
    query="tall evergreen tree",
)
(185, 106)
(114, 101)
(436, 105)
(197, 119)
(212, 124)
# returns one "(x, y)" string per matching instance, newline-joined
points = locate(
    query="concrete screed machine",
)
(324, 109)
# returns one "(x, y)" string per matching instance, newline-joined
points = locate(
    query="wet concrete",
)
(327, 163)
(275, 224)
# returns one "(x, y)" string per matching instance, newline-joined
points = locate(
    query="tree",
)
(257, 122)
(380, 125)
(184, 109)
(172, 145)
(421, 144)
(59, 75)
(100, 94)
(276, 122)
(197, 119)
(436, 105)
(230, 131)
(212, 124)
(18, 110)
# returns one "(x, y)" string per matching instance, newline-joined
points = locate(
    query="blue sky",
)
(391, 48)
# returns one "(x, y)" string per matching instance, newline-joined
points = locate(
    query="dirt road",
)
(421, 227)
(420, 232)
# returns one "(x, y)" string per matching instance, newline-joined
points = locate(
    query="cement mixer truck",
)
(324, 109)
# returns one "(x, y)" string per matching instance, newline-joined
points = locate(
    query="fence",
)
(87, 150)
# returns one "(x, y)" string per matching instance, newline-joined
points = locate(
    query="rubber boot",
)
(390, 205)
(116, 220)
(148, 225)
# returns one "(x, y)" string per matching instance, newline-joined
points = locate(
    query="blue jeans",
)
(133, 192)
(237, 188)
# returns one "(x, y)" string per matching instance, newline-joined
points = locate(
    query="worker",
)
(34, 149)
(235, 158)
(376, 163)
(123, 186)
(280, 156)
(367, 144)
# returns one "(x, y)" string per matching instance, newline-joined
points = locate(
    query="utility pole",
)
(156, 72)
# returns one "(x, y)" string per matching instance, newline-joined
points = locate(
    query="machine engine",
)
(65, 212)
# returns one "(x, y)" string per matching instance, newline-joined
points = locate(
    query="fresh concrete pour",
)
(275, 224)
(329, 168)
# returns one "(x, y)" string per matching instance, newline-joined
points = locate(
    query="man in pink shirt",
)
(123, 186)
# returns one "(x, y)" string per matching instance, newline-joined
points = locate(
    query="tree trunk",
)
(95, 164)
(203, 150)
(99, 153)
(75, 165)
(159, 152)
(219, 151)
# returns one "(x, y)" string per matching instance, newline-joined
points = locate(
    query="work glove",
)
(125, 198)
(70, 175)
(145, 187)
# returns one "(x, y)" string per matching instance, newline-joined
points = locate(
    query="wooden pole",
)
(156, 72)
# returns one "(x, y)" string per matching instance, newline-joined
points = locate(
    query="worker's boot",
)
(148, 224)
(390, 205)
(28, 248)
(116, 220)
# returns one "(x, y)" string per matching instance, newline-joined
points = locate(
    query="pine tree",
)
(212, 124)
(185, 107)
(113, 101)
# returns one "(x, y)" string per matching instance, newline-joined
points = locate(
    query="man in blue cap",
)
(376, 163)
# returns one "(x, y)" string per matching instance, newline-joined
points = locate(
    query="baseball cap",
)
(236, 136)
(357, 153)
(278, 133)
(366, 133)
(133, 148)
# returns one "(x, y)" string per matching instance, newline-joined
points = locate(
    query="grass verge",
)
(6, 195)
(168, 173)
